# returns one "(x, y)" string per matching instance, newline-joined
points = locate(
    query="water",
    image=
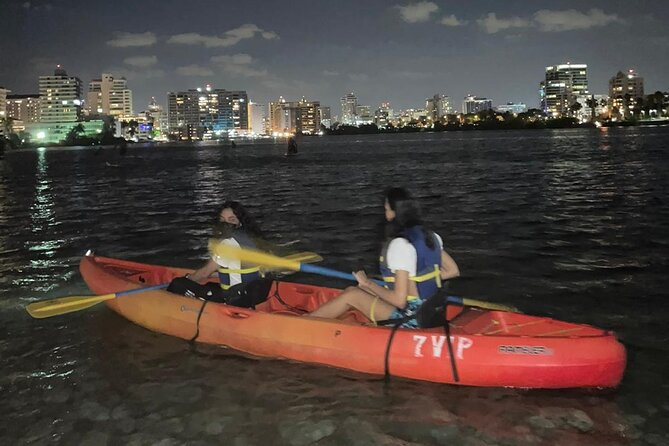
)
(572, 224)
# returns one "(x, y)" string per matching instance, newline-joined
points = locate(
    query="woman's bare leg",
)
(354, 297)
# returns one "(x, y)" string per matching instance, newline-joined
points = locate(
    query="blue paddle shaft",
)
(307, 268)
(141, 290)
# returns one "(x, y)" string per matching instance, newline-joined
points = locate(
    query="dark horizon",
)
(401, 52)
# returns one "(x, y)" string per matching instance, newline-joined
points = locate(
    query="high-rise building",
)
(3, 102)
(257, 118)
(438, 107)
(475, 104)
(563, 84)
(60, 98)
(624, 90)
(383, 115)
(109, 96)
(349, 104)
(183, 114)
(325, 115)
(294, 117)
(309, 117)
(4, 124)
(206, 113)
(23, 107)
(239, 100)
(363, 115)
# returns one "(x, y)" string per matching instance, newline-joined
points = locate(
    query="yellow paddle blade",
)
(252, 256)
(304, 257)
(63, 305)
(489, 305)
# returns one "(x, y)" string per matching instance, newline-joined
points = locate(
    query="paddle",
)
(64, 305)
(70, 304)
(265, 259)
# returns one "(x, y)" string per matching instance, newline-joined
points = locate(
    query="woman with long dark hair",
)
(413, 264)
(240, 285)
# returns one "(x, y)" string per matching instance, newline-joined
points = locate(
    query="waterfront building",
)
(3, 102)
(363, 115)
(183, 114)
(438, 107)
(238, 100)
(326, 116)
(60, 98)
(474, 104)
(560, 88)
(22, 109)
(294, 117)
(512, 107)
(624, 91)
(309, 117)
(206, 113)
(109, 96)
(151, 123)
(383, 115)
(585, 112)
(4, 123)
(60, 108)
(349, 105)
(257, 118)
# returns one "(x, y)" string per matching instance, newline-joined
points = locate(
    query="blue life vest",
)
(247, 274)
(427, 278)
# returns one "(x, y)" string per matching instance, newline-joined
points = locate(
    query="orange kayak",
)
(490, 348)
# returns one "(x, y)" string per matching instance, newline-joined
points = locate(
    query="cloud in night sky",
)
(238, 65)
(229, 38)
(125, 40)
(571, 19)
(194, 70)
(31, 6)
(452, 20)
(491, 24)
(549, 21)
(417, 12)
(141, 61)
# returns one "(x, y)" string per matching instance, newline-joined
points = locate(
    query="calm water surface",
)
(573, 224)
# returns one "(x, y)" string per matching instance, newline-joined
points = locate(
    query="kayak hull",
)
(491, 348)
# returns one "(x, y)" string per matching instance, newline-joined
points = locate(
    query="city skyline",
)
(402, 52)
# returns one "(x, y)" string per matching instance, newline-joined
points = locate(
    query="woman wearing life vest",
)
(240, 285)
(413, 264)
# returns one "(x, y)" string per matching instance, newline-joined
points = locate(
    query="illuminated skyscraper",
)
(438, 106)
(562, 86)
(110, 96)
(624, 90)
(60, 97)
(349, 105)
(206, 113)
(294, 117)
(257, 118)
(474, 104)
(3, 111)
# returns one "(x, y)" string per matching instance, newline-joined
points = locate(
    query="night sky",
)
(395, 51)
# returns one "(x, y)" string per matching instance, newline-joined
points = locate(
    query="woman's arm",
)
(396, 297)
(203, 273)
(449, 269)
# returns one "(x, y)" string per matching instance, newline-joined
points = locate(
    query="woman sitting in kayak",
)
(413, 263)
(239, 285)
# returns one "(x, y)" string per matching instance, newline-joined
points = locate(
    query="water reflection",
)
(44, 245)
